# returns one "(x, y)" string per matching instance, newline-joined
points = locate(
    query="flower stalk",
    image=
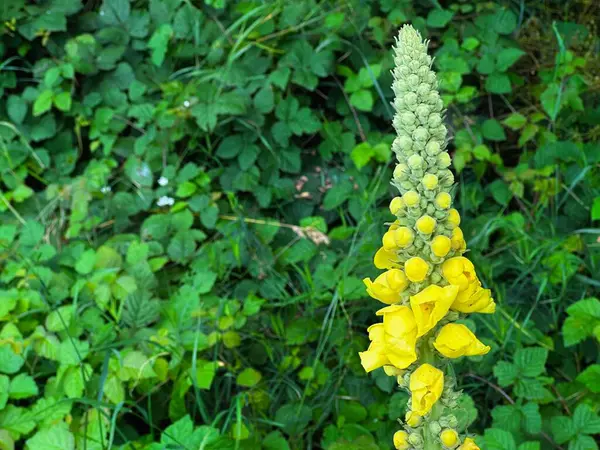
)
(428, 285)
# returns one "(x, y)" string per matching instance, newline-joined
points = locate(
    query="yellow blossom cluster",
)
(427, 284)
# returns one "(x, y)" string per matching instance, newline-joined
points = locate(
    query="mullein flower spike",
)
(427, 284)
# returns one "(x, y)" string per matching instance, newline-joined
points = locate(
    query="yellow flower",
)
(401, 440)
(412, 419)
(396, 205)
(458, 240)
(388, 286)
(426, 224)
(389, 241)
(411, 198)
(443, 200)
(459, 271)
(393, 341)
(385, 259)
(430, 181)
(441, 245)
(426, 385)
(375, 356)
(469, 444)
(449, 437)
(456, 340)
(400, 335)
(416, 269)
(453, 218)
(403, 236)
(431, 305)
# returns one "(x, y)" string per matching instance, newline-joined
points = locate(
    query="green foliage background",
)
(191, 193)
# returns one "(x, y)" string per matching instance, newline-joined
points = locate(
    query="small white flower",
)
(165, 201)
(163, 181)
(186, 104)
(105, 189)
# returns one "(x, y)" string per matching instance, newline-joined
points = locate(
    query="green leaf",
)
(264, 100)
(496, 439)
(505, 21)
(159, 42)
(337, 195)
(532, 418)
(275, 441)
(204, 281)
(362, 100)
(590, 378)
(4, 386)
(529, 446)
(43, 103)
(551, 101)
(506, 373)
(596, 209)
(362, 154)
(115, 12)
(57, 437)
(62, 101)
(585, 420)
(439, 18)
(507, 57)
(205, 373)
(294, 417)
(563, 429)
(492, 130)
(498, 83)
(500, 192)
(23, 386)
(16, 108)
(10, 362)
(587, 307)
(531, 361)
(515, 121)
(583, 442)
(248, 377)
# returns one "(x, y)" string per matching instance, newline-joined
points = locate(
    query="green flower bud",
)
(415, 162)
(415, 439)
(435, 427)
(443, 160)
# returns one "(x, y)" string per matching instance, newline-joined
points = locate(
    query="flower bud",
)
(389, 241)
(432, 148)
(435, 427)
(441, 245)
(426, 224)
(435, 120)
(430, 181)
(458, 239)
(420, 134)
(411, 198)
(392, 371)
(443, 160)
(401, 440)
(415, 161)
(413, 419)
(449, 438)
(396, 205)
(415, 439)
(443, 200)
(403, 237)
(416, 269)
(453, 218)
(401, 171)
(408, 118)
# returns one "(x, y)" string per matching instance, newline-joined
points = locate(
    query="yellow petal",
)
(456, 340)
(385, 259)
(430, 305)
(372, 359)
(426, 385)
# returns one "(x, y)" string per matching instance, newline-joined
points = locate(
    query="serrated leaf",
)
(23, 386)
(159, 42)
(507, 57)
(585, 420)
(439, 18)
(515, 121)
(498, 83)
(43, 103)
(531, 361)
(506, 373)
(493, 131)
(54, 438)
(496, 439)
(563, 429)
(532, 418)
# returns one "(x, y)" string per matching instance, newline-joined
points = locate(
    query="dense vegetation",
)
(191, 193)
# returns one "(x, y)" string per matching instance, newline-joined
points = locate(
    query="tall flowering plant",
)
(427, 284)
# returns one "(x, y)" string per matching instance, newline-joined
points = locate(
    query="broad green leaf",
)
(585, 420)
(23, 386)
(563, 429)
(531, 361)
(159, 42)
(248, 377)
(515, 121)
(205, 373)
(506, 373)
(498, 83)
(362, 100)
(43, 103)
(493, 131)
(507, 57)
(439, 18)
(496, 439)
(54, 438)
